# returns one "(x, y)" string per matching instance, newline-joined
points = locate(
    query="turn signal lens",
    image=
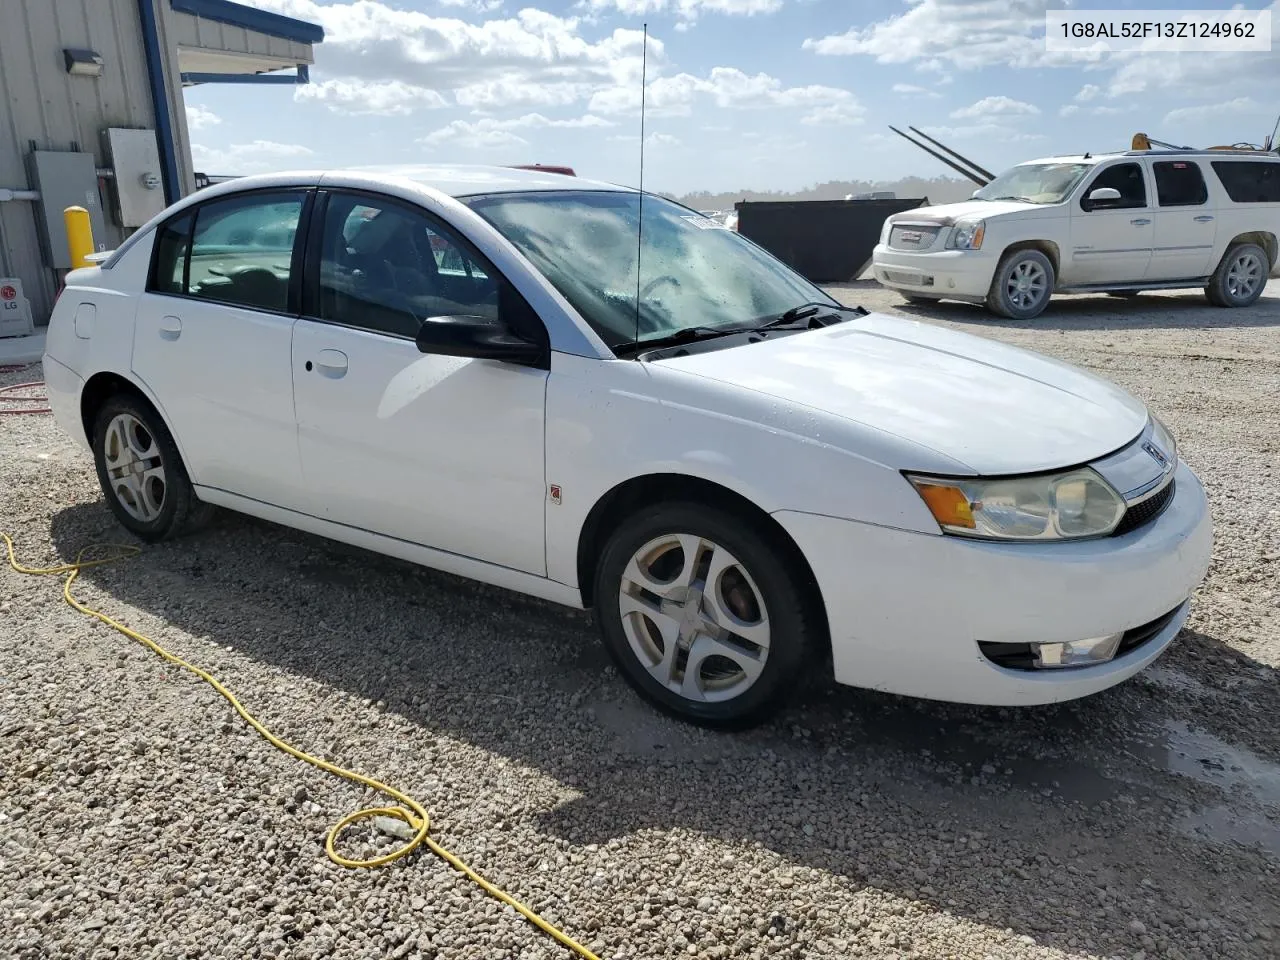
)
(949, 506)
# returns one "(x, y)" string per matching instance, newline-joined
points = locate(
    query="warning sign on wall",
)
(15, 309)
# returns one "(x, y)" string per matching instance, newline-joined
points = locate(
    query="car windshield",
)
(1034, 182)
(693, 271)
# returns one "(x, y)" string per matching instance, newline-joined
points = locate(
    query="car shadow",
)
(944, 805)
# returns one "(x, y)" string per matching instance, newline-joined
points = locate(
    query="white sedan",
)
(464, 368)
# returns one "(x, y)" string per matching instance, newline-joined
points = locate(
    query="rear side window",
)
(242, 250)
(1179, 183)
(1249, 181)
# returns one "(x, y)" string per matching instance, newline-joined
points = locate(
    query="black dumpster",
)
(826, 241)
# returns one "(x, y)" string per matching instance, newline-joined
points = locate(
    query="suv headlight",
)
(1060, 506)
(967, 235)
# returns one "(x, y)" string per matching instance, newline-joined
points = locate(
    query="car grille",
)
(1144, 512)
(911, 237)
(1020, 656)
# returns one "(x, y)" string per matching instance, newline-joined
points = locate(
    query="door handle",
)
(170, 328)
(332, 364)
(1203, 219)
(1140, 222)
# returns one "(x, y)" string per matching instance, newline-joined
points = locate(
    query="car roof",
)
(455, 180)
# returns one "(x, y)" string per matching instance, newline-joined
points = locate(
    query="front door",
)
(1111, 239)
(445, 452)
(213, 339)
(1185, 227)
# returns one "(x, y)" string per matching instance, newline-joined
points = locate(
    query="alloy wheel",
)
(1244, 275)
(694, 617)
(134, 467)
(1027, 284)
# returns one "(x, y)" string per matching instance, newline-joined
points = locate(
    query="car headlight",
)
(967, 235)
(1060, 506)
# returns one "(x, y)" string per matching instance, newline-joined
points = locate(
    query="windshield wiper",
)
(683, 335)
(807, 311)
(1023, 199)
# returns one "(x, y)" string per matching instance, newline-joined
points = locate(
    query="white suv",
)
(1113, 223)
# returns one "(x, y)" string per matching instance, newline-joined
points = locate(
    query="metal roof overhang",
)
(223, 42)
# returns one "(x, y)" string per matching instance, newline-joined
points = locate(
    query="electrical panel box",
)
(137, 189)
(65, 179)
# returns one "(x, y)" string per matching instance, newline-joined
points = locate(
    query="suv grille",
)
(1144, 512)
(912, 237)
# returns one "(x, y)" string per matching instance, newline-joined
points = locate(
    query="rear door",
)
(213, 340)
(1185, 222)
(1111, 239)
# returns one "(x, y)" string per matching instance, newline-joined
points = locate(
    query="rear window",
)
(1179, 183)
(1249, 181)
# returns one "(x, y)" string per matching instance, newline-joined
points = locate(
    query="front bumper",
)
(957, 274)
(908, 610)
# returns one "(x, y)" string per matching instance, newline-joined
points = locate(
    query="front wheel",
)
(1022, 285)
(703, 613)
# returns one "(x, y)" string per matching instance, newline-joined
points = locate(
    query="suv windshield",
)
(693, 271)
(1035, 182)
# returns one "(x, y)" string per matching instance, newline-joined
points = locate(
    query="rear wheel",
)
(1240, 276)
(141, 473)
(1022, 285)
(703, 614)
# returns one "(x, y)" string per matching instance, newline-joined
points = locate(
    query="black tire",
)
(999, 298)
(1225, 288)
(919, 300)
(768, 562)
(180, 511)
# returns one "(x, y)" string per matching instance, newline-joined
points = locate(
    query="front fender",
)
(610, 421)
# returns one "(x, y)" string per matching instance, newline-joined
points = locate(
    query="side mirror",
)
(478, 337)
(1103, 196)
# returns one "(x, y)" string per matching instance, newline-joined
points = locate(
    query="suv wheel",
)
(1022, 285)
(703, 614)
(141, 473)
(1240, 276)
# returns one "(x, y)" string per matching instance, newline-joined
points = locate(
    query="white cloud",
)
(992, 133)
(1090, 91)
(912, 90)
(259, 156)
(201, 118)
(1070, 110)
(662, 139)
(991, 107)
(491, 132)
(730, 88)
(1102, 110)
(686, 10)
(1237, 107)
(484, 6)
(492, 63)
(356, 96)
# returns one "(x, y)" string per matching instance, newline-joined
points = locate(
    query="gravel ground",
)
(139, 818)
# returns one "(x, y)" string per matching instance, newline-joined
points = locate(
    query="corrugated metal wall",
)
(40, 101)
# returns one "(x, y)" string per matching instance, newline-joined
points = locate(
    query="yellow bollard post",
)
(79, 236)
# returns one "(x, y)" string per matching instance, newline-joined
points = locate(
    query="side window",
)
(1125, 177)
(169, 261)
(387, 268)
(1179, 183)
(242, 250)
(1249, 181)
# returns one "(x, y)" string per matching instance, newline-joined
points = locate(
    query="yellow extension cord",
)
(411, 812)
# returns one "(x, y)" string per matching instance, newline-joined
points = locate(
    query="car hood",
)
(948, 213)
(995, 408)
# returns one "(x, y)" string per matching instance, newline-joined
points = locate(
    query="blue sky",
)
(754, 94)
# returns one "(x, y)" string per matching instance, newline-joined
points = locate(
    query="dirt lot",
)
(138, 818)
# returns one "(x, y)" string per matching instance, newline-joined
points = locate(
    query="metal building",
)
(92, 115)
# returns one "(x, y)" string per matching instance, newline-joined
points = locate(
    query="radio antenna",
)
(644, 65)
